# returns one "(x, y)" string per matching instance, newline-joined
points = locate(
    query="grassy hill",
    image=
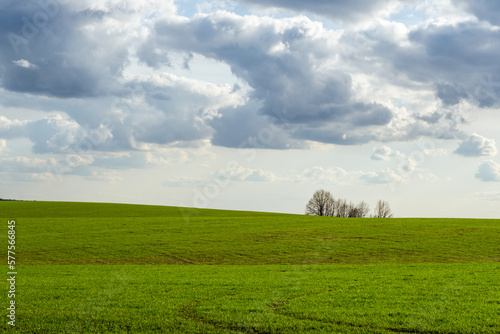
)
(115, 268)
(93, 233)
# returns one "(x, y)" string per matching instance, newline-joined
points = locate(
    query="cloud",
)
(386, 176)
(62, 59)
(135, 122)
(32, 177)
(384, 153)
(167, 117)
(11, 128)
(42, 177)
(318, 175)
(240, 173)
(489, 171)
(110, 177)
(23, 63)
(477, 146)
(290, 66)
(54, 134)
(346, 11)
(459, 60)
(24, 168)
(139, 159)
(450, 94)
(488, 10)
(322, 175)
(305, 82)
(244, 127)
(70, 49)
(27, 165)
(3, 147)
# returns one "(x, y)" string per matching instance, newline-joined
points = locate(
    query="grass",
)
(79, 233)
(429, 298)
(108, 268)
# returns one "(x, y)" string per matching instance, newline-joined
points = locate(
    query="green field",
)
(110, 268)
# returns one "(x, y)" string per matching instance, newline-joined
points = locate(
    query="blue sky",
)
(253, 104)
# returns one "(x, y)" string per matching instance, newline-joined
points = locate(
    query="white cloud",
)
(322, 175)
(23, 63)
(384, 153)
(241, 174)
(477, 146)
(76, 160)
(247, 174)
(52, 134)
(386, 176)
(11, 128)
(3, 147)
(27, 165)
(168, 157)
(110, 177)
(489, 171)
(317, 175)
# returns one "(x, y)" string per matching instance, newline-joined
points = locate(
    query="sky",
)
(253, 104)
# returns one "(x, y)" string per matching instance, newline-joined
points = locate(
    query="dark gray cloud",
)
(463, 57)
(287, 63)
(460, 61)
(430, 118)
(488, 171)
(346, 11)
(152, 55)
(477, 146)
(114, 125)
(300, 75)
(245, 128)
(66, 59)
(488, 10)
(450, 94)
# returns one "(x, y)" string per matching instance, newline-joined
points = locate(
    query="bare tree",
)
(357, 211)
(324, 204)
(382, 210)
(332, 209)
(342, 208)
(321, 204)
(352, 211)
(363, 209)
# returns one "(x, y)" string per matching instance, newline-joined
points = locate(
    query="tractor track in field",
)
(278, 305)
(187, 313)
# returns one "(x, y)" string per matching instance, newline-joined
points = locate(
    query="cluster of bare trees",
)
(324, 204)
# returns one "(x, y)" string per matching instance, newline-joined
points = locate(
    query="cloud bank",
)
(488, 171)
(110, 66)
(477, 146)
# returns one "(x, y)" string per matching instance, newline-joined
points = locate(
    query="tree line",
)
(324, 204)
